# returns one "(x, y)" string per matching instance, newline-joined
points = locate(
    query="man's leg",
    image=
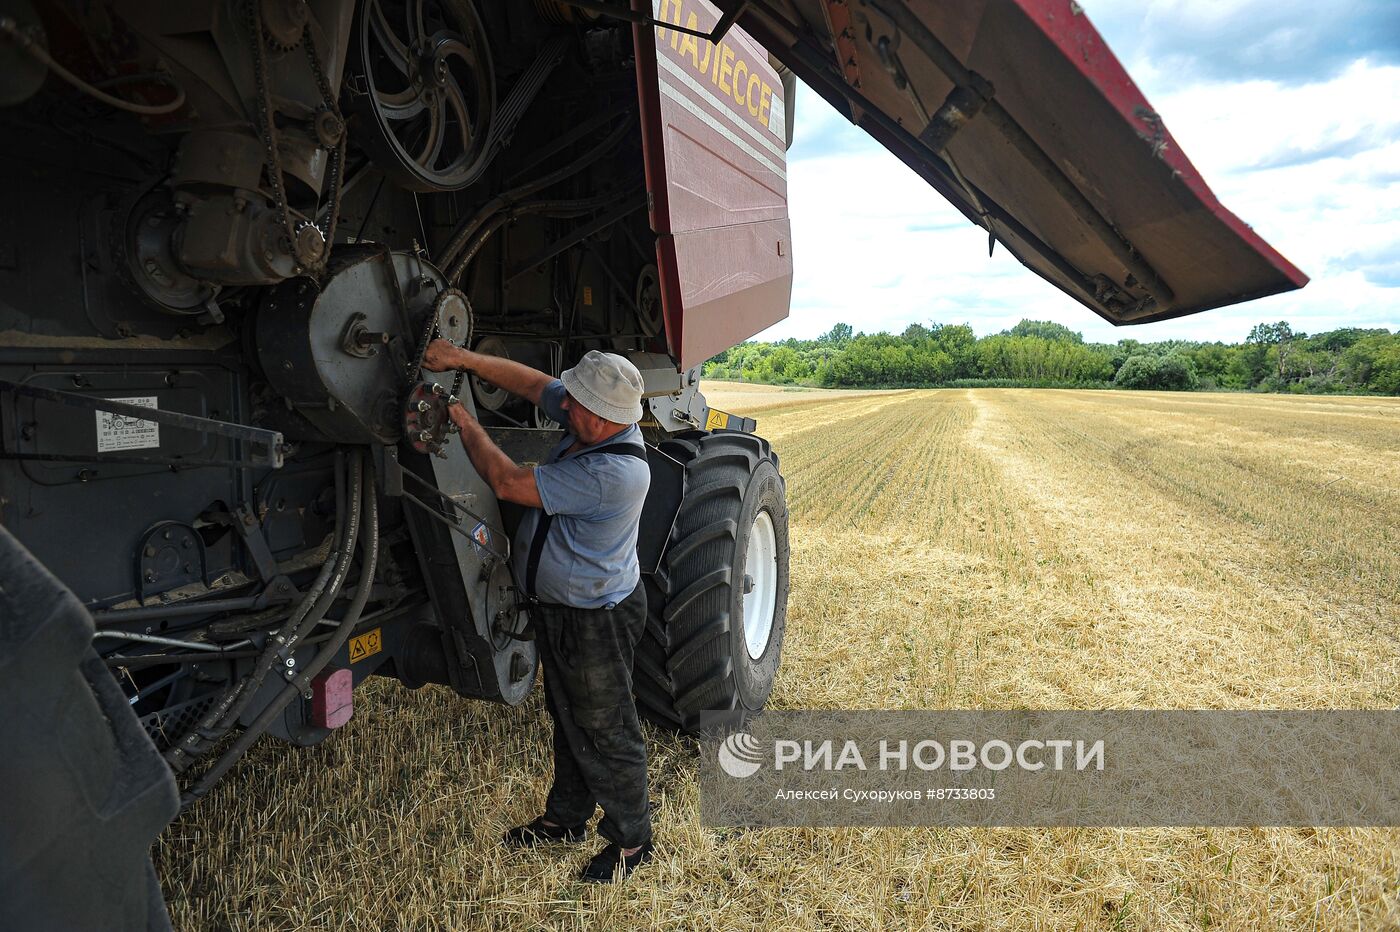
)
(601, 725)
(570, 800)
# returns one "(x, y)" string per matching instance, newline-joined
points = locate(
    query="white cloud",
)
(876, 248)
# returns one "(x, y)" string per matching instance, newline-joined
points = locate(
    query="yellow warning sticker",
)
(717, 420)
(365, 645)
(588, 295)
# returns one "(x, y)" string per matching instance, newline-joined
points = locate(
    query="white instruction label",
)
(123, 432)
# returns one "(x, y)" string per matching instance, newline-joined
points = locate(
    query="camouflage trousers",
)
(599, 756)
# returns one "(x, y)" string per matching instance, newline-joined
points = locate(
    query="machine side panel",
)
(713, 129)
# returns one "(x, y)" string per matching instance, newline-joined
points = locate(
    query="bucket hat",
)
(608, 385)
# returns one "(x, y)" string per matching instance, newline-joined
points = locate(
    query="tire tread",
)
(683, 663)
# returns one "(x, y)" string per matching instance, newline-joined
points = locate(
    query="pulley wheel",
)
(542, 421)
(490, 397)
(648, 299)
(427, 92)
(145, 246)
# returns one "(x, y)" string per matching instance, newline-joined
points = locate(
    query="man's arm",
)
(510, 482)
(516, 378)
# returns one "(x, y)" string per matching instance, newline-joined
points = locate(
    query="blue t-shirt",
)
(590, 553)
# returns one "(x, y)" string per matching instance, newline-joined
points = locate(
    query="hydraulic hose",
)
(302, 622)
(448, 259)
(220, 719)
(369, 547)
(556, 208)
(34, 50)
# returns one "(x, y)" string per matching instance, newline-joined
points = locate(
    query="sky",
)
(1290, 109)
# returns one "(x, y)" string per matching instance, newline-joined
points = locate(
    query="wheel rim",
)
(760, 597)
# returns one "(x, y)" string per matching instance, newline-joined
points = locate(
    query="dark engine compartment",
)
(338, 184)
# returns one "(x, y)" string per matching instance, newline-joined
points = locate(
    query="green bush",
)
(1173, 372)
(1137, 372)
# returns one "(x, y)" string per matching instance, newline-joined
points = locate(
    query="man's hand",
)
(460, 415)
(503, 372)
(442, 356)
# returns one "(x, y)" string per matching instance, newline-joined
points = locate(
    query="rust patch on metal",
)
(838, 20)
(1158, 137)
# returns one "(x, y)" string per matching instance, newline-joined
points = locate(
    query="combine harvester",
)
(228, 490)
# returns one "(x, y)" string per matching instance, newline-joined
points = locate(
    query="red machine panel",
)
(714, 140)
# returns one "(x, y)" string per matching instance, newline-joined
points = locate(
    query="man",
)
(575, 557)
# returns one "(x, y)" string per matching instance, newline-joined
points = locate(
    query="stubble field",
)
(950, 549)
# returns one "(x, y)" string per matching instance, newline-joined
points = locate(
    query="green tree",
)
(1045, 330)
(838, 335)
(1280, 339)
(959, 343)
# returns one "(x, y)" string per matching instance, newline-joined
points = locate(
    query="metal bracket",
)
(449, 518)
(388, 470)
(721, 29)
(249, 529)
(962, 104)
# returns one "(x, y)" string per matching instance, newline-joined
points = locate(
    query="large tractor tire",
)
(83, 789)
(717, 605)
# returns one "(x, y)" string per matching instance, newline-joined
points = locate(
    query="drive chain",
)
(268, 129)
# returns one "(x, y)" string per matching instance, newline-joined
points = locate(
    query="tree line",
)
(1038, 353)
